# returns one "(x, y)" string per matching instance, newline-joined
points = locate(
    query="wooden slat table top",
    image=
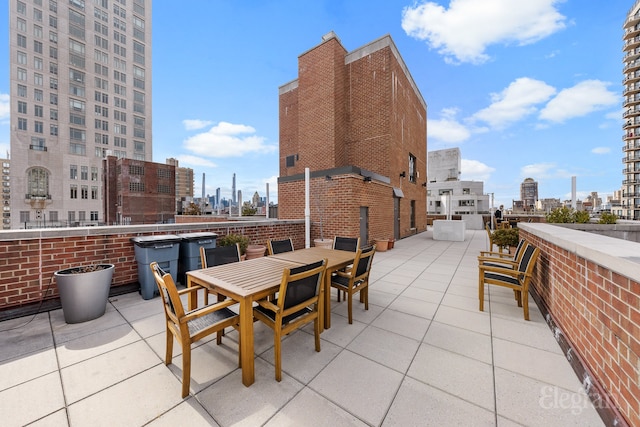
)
(244, 278)
(335, 258)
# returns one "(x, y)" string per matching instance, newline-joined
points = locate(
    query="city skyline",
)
(525, 91)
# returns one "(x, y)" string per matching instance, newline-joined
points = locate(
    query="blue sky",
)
(524, 89)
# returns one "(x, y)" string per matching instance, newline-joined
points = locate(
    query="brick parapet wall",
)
(590, 286)
(28, 258)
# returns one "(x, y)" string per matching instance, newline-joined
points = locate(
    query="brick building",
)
(138, 192)
(359, 123)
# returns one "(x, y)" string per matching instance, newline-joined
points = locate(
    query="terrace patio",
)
(421, 355)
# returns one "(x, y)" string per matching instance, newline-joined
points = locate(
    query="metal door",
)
(364, 225)
(396, 215)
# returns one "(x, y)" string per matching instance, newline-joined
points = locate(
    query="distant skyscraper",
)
(529, 192)
(630, 208)
(80, 89)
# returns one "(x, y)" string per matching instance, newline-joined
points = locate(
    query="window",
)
(22, 123)
(76, 47)
(101, 124)
(119, 37)
(22, 25)
(138, 146)
(413, 175)
(101, 97)
(37, 47)
(24, 216)
(102, 139)
(101, 70)
(138, 133)
(94, 173)
(119, 141)
(76, 76)
(53, 7)
(22, 58)
(53, 21)
(22, 8)
(136, 170)
(120, 115)
(38, 110)
(84, 192)
(73, 171)
(53, 114)
(22, 91)
(79, 149)
(37, 31)
(94, 214)
(77, 134)
(53, 130)
(37, 127)
(37, 15)
(22, 41)
(53, 52)
(119, 50)
(101, 14)
(100, 56)
(22, 74)
(22, 107)
(37, 182)
(53, 98)
(37, 95)
(119, 129)
(74, 191)
(413, 214)
(53, 68)
(38, 144)
(71, 215)
(77, 3)
(53, 83)
(77, 119)
(76, 90)
(37, 79)
(101, 83)
(37, 63)
(101, 111)
(119, 102)
(119, 89)
(101, 28)
(53, 37)
(137, 187)
(77, 105)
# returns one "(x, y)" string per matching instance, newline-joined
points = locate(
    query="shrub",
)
(232, 239)
(565, 215)
(581, 217)
(504, 238)
(608, 218)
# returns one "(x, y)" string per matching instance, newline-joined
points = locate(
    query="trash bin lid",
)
(198, 236)
(146, 241)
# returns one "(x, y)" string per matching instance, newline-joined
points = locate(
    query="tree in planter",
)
(608, 218)
(232, 239)
(565, 215)
(505, 238)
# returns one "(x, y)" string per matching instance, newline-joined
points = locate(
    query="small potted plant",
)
(84, 291)
(232, 239)
(506, 238)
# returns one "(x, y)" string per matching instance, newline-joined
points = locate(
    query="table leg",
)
(327, 302)
(246, 341)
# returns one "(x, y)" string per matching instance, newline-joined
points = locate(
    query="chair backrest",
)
(301, 285)
(280, 246)
(488, 228)
(362, 262)
(528, 260)
(519, 251)
(173, 308)
(210, 257)
(350, 244)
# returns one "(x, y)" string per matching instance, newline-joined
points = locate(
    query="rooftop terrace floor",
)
(421, 355)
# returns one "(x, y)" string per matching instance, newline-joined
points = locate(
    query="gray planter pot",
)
(84, 294)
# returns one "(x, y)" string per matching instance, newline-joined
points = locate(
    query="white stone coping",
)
(617, 255)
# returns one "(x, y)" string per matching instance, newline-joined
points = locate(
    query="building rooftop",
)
(421, 355)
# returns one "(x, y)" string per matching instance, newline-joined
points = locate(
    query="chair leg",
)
(316, 327)
(525, 304)
(186, 368)
(169, 348)
(277, 354)
(364, 295)
(481, 292)
(339, 292)
(350, 305)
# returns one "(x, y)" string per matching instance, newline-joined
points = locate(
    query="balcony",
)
(421, 352)
(37, 147)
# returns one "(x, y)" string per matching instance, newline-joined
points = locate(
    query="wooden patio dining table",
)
(254, 279)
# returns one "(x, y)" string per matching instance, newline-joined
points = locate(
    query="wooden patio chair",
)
(503, 259)
(355, 279)
(279, 246)
(189, 327)
(515, 278)
(220, 255)
(296, 305)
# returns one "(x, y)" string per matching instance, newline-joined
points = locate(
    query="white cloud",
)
(584, 98)
(196, 124)
(4, 107)
(228, 140)
(601, 150)
(186, 159)
(539, 171)
(515, 102)
(463, 32)
(473, 170)
(447, 129)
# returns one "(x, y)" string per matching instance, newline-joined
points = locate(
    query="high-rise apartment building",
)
(529, 193)
(80, 90)
(6, 193)
(631, 93)
(184, 183)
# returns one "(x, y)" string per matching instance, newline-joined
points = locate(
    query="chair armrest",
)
(496, 254)
(502, 270)
(482, 260)
(203, 311)
(346, 274)
(190, 289)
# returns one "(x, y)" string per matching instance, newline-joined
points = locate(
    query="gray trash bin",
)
(190, 252)
(165, 250)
